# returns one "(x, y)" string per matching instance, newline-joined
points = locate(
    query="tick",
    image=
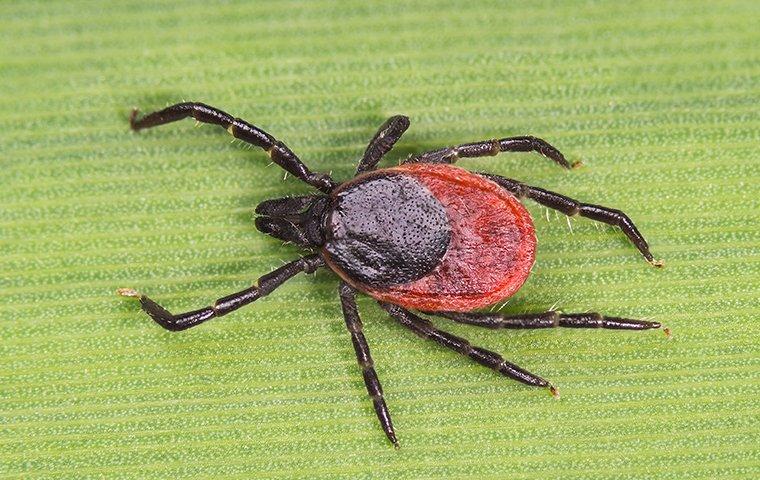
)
(424, 238)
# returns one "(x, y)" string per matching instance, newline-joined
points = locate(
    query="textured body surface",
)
(386, 228)
(488, 235)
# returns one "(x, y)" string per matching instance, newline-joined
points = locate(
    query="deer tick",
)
(424, 237)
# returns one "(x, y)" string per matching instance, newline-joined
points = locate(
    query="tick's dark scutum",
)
(386, 229)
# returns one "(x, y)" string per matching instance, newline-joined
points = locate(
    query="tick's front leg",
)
(240, 129)
(265, 285)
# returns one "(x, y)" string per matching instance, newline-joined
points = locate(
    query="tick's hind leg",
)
(361, 348)
(277, 151)
(489, 148)
(550, 319)
(571, 208)
(383, 141)
(487, 358)
(265, 285)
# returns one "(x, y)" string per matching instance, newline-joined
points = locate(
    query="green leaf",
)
(659, 100)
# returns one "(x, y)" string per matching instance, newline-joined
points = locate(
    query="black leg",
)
(277, 151)
(383, 141)
(487, 358)
(493, 147)
(550, 319)
(354, 325)
(225, 305)
(571, 208)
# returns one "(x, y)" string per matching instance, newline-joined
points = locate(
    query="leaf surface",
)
(660, 102)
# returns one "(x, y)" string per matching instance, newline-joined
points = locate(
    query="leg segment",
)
(225, 305)
(277, 151)
(550, 319)
(354, 325)
(490, 148)
(487, 358)
(383, 141)
(571, 208)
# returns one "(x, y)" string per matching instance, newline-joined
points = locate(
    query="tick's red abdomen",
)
(491, 246)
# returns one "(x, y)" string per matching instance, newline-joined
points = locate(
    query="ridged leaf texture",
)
(658, 99)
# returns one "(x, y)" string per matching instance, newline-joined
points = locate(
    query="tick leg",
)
(571, 208)
(277, 151)
(550, 319)
(354, 325)
(490, 148)
(265, 285)
(383, 141)
(487, 358)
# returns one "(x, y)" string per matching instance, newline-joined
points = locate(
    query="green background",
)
(659, 100)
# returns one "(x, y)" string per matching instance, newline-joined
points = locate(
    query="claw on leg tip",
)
(553, 390)
(133, 117)
(128, 292)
